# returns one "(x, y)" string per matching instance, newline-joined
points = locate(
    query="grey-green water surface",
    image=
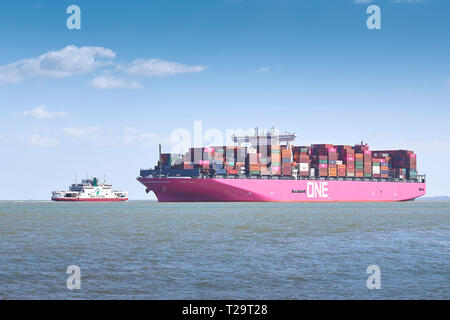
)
(150, 250)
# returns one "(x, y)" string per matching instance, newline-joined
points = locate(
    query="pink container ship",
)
(270, 171)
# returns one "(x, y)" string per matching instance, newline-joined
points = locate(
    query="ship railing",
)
(417, 179)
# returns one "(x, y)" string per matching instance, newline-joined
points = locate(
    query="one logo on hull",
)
(316, 189)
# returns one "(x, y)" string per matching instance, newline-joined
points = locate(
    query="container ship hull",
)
(279, 190)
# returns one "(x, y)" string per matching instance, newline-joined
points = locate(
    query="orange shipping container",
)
(332, 172)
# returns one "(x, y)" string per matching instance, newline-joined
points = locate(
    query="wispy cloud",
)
(92, 135)
(72, 60)
(109, 82)
(63, 63)
(113, 136)
(362, 1)
(159, 68)
(78, 132)
(41, 141)
(263, 69)
(40, 112)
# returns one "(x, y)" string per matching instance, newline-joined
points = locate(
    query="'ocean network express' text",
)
(315, 190)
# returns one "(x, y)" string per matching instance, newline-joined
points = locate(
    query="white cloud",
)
(73, 60)
(40, 112)
(263, 69)
(159, 68)
(362, 1)
(63, 63)
(40, 141)
(108, 82)
(448, 83)
(78, 132)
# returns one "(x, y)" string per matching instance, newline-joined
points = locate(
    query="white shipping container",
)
(376, 170)
(313, 172)
(339, 162)
(303, 166)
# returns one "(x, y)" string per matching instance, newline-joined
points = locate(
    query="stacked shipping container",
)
(321, 160)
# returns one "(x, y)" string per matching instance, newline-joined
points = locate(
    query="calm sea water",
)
(149, 250)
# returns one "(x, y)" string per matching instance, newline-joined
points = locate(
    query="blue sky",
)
(98, 100)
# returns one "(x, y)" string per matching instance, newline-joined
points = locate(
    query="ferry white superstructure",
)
(90, 190)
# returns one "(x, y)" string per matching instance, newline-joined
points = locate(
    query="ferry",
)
(90, 190)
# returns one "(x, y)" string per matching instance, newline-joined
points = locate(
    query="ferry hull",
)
(90, 199)
(274, 190)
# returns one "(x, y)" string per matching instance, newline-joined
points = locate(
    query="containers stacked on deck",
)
(230, 160)
(412, 166)
(188, 164)
(241, 156)
(367, 160)
(254, 166)
(402, 164)
(264, 158)
(367, 163)
(359, 165)
(302, 159)
(325, 158)
(286, 161)
(323, 166)
(216, 158)
(332, 162)
(380, 164)
(275, 160)
(319, 160)
(376, 168)
(169, 160)
(347, 156)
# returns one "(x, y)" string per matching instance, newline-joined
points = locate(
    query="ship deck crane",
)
(265, 139)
